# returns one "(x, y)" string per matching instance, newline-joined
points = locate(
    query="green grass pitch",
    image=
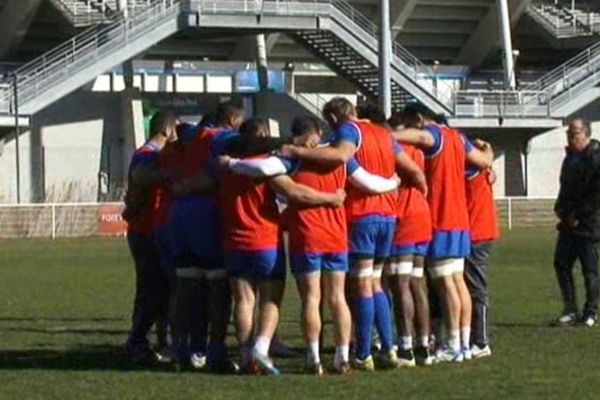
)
(64, 309)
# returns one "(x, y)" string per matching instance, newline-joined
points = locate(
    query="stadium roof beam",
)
(401, 12)
(486, 37)
(245, 47)
(15, 19)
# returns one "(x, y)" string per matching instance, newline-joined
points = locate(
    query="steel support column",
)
(505, 34)
(385, 58)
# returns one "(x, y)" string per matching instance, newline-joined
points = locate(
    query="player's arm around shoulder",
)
(420, 138)
(302, 194)
(368, 182)
(480, 154)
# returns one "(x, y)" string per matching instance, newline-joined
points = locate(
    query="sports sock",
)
(454, 340)
(342, 354)
(383, 320)
(365, 315)
(465, 336)
(261, 345)
(313, 352)
(424, 341)
(246, 354)
(406, 342)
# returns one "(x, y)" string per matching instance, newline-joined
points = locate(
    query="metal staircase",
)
(82, 13)
(562, 22)
(74, 63)
(572, 85)
(345, 39)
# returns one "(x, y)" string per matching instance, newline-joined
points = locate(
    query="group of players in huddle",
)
(378, 218)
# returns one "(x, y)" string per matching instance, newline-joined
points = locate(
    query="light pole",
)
(385, 59)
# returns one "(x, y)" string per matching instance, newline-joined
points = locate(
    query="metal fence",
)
(71, 220)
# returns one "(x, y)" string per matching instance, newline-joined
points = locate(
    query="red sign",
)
(110, 221)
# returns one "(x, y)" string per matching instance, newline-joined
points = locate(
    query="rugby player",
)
(484, 232)
(254, 251)
(144, 181)
(446, 153)
(318, 239)
(406, 268)
(371, 219)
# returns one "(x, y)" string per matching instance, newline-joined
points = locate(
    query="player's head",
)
(417, 111)
(164, 123)
(579, 134)
(254, 128)
(338, 110)
(229, 114)
(306, 131)
(208, 120)
(372, 113)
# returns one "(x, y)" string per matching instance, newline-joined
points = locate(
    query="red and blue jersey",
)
(249, 215)
(414, 217)
(141, 202)
(482, 208)
(170, 161)
(445, 172)
(317, 229)
(376, 153)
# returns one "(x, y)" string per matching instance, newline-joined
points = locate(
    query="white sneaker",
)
(467, 353)
(198, 360)
(590, 321)
(450, 355)
(480, 352)
(265, 363)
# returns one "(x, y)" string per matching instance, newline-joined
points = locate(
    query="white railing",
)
(91, 12)
(564, 20)
(507, 104)
(62, 220)
(46, 71)
(569, 80)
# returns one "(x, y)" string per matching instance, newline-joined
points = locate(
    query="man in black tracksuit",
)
(578, 209)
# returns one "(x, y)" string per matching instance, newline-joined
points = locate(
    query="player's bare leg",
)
(448, 292)
(244, 299)
(309, 286)
(271, 294)
(399, 280)
(465, 311)
(418, 288)
(333, 294)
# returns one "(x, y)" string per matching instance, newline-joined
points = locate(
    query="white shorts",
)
(450, 267)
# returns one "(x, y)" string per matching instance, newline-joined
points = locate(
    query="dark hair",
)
(304, 124)
(252, 128)
(208, 120)
(340, 107)
(414, 109)
(371, 112)
(161, 121)
(227, 110)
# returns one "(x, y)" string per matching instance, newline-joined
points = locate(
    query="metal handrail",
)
(568, 74)
(81, 51)
(86, 48)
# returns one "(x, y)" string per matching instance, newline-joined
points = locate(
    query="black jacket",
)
(579, 196)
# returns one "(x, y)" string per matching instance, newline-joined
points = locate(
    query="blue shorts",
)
(256, 265)
(449, 244)
(412, 249)
(306, 263)
(195, 232)
(162, 238)
(372, 237)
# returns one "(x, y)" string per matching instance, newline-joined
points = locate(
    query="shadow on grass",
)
(84, 358)
(60, 319)
(64, 331)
